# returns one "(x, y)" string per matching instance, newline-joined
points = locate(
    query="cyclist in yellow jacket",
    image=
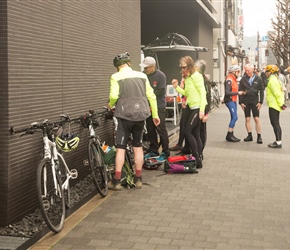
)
(196, 101)
(275, 100)
(130, 92)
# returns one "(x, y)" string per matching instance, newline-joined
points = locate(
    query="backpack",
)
(127, 175)
(180, 164)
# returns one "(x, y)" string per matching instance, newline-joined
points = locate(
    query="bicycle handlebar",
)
(34, 126)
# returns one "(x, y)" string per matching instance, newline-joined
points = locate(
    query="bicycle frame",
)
(50, 152)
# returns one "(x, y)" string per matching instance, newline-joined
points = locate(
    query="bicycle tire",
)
(217, 98)
(212, 104)
(98, 168)
(51, 202)
(130, 168)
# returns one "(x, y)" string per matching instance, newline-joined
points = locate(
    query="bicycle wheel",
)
(50, 196)
(128, 172)
(217, 98)
(212, 104)
(98, 168)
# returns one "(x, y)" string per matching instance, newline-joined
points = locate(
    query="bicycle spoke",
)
(50, 196)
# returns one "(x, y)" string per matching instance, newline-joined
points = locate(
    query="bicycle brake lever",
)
(66, 117)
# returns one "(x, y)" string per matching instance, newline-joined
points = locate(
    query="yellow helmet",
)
(272, 68)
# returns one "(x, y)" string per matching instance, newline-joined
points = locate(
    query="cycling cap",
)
(272, 68)
(148, 61)
(67, 144)
(234, 68)
(121, 59)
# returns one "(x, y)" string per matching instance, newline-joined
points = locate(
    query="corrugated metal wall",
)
(59, 59)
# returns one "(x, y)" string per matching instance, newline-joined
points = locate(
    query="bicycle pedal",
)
(86, 163)
(73, 173)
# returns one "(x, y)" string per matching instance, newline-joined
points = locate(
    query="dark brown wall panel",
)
(59, 60)
(4, 182)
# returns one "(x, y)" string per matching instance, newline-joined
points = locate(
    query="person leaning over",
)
(157, 81)
(230, 99)
(196, 101)
(275, 100)
(130, 92)
(252, 100)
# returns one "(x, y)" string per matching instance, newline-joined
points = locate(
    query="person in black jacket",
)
(252, 100)
(157, 81)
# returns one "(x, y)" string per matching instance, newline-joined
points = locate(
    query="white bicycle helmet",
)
(233, 68)
(67, 144)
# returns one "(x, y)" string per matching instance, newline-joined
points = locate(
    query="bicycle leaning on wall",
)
(98, 168)
(53, 193)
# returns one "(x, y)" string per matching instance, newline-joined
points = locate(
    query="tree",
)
(281, 36)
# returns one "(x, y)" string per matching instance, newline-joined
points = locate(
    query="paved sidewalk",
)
(240, 199)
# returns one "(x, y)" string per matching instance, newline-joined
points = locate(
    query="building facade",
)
(56, 57)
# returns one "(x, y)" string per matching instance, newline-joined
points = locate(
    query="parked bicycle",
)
(215, 96)
(53, 193)
(98, 168)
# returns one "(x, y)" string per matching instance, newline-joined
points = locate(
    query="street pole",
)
(258, 50)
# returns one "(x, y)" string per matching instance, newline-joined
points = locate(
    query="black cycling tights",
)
(274, 119)
(192, 131)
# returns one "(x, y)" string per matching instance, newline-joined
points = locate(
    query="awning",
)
(172, 42)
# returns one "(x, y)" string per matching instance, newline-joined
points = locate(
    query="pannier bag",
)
(109, 154)
(180, 164)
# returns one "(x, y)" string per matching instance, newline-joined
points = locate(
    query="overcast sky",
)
(257, 16)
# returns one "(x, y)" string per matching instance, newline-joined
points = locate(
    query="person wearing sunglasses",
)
(195, 93)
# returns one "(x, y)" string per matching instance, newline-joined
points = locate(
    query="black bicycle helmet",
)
(121, 59)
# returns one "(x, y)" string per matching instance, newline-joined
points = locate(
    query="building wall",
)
(56, 57)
